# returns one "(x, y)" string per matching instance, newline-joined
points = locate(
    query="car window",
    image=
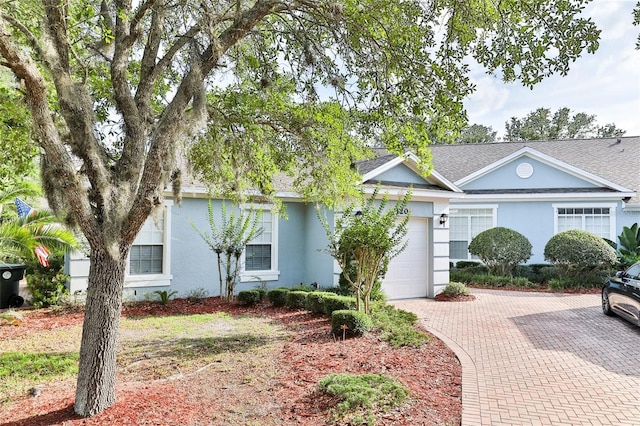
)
(634, 272)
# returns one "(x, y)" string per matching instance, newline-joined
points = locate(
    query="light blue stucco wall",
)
(400, 173)
(544, 176)
(535, 219)
(300, 235)
(319, 264)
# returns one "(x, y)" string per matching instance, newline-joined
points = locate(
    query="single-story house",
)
(541, 188)
(538, 188)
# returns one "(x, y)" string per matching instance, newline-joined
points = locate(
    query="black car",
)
(621, 294)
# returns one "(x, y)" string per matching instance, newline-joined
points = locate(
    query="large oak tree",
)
(118, 90)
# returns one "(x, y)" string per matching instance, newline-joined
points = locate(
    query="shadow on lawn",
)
(52, 418)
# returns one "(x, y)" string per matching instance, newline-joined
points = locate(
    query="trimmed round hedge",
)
(580, 250)
(501, 249)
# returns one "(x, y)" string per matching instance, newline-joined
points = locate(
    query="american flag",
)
(41, 252)
(23, 208)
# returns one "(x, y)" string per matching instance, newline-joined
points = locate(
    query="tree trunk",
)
(97, 371)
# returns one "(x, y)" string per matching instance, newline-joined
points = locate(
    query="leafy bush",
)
(278, 296)
(363, 395)
(629, 249)
(338, 303)
(197, 294)
(357, 322)
(501, 249)
(537, 272)
(483, 280)
(303, 287)
(316, 301)
(47, 285)
(165, 295)
(251, 297)
(467, 264)
(455, 289)
(296, 299)
(578, 253)
(346, 289)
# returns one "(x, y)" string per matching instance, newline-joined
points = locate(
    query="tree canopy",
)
(541, 124)
(118, 91)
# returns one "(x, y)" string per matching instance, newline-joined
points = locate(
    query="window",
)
(150, 252)
(260, 255)
(595, 219)
(466, 223)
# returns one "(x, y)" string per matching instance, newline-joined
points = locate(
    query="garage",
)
(408, 273)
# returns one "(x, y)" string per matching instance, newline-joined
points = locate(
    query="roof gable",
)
(402, 171)
(528, 168)
(610, 160)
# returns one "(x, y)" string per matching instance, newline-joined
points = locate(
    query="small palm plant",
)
(26, 236)
(20, 237)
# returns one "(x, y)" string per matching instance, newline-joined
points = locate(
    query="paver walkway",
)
(539, 358)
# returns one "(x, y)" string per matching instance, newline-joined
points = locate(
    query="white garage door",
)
(407, 273)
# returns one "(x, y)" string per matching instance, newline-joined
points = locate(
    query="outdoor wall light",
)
(443, 218)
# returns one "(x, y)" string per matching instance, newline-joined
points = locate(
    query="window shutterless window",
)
(598, 220)
(260, 257)
(146, 255)
(466, 223)
(149, 264)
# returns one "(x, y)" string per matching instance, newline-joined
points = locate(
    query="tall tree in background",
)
(541, 124)
(477, 133)
(117, 89)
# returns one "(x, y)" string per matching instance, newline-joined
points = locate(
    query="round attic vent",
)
(524, 170)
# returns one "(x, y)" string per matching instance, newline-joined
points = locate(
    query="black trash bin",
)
(10, 276)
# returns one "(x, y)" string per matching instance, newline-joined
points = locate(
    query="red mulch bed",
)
(289, 396)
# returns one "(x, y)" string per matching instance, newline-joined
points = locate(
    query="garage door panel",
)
(407, 275)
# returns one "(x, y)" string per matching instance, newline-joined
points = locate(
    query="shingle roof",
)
(614, 159)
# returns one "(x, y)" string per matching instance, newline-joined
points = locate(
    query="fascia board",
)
(557, 196)
(415, 193)
(546, 159)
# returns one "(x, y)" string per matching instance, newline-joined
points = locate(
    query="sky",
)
(605, 84)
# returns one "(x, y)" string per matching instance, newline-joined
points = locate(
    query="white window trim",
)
(266, 275)
(494, 217)
(610, 206)
(156, 280)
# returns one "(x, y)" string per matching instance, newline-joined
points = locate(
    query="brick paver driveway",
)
(539, 358)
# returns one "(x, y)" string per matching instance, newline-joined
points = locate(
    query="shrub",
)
(47, 285)
(483, 280)
(278, 296)
(345, 289)
(467, 264)
(303, 287)
(357, 322)
(362, 396)
(197, 294)
(455, 289)
(316, 301)
(578, 253)
(250, 297)
(397, 327)
(165, 295)
(629, 249)
(296, 299)
(338, 303)
(501, 249)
